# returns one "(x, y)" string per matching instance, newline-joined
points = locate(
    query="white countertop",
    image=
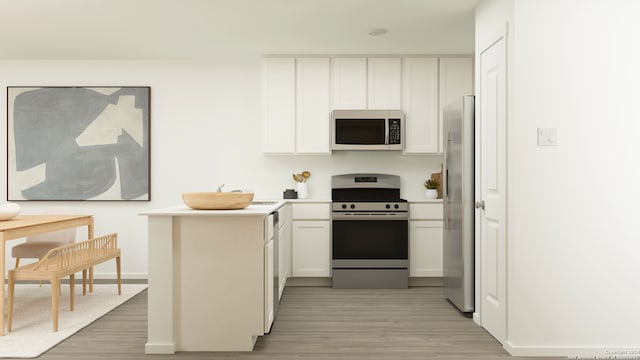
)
(258, 208)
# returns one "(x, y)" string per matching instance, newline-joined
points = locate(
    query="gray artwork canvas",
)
(78, 143)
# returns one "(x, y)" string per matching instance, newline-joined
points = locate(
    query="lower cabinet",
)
(425, 248)
(284, 247)
(268, 286)
(284, 253)
(311, 248)
(425, 239)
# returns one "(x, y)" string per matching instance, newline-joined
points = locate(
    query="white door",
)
(492, 200)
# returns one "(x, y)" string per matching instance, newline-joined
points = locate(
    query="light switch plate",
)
(547, 137)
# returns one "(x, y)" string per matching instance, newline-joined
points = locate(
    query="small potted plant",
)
(301, 184)
(432, 189)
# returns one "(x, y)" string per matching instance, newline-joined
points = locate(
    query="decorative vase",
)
(431, 194)
(303, 190)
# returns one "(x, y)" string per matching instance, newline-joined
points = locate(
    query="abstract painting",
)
(78, 143)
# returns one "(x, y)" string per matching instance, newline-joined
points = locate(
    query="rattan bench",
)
(65, 261)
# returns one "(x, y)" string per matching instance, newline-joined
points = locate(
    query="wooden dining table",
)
(27, 225)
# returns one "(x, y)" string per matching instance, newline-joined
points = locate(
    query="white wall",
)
(205, 131)
(573, 239)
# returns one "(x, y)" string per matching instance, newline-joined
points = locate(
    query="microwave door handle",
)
(386, 131)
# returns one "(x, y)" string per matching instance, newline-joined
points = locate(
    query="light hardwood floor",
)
(315, 323)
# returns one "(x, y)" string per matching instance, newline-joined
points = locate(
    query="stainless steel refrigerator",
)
(458, 198)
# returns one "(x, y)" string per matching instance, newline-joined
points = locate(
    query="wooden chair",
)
(36, 246)
(62, 262)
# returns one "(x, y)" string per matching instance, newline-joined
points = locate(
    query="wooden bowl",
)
(217, 200)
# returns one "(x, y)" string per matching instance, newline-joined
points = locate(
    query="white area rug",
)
(32, 331)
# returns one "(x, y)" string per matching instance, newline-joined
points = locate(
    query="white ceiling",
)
(204, 29)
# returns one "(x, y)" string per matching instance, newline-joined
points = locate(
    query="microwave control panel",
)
(394, 131)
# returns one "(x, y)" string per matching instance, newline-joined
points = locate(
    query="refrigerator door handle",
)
(445, 197)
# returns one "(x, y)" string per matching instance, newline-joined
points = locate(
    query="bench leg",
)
(10, 302)
(72, 283)
(119, 277)
(55, 294)
(84, 282)
(91, 279)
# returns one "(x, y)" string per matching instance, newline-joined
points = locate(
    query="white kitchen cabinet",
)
(456, 79)
(425, 239)
(311, 256)
(313, 105)
(366, 83)
(420, 105)
(284, 247)
(268, 274)
(311, 240)
(278, 105)
(296, 105)
(384, 83)
(268, 286)
(349, 83)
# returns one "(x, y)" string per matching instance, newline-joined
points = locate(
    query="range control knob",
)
(396, 206)
(353, 206)
(388, 206)
(344, 206)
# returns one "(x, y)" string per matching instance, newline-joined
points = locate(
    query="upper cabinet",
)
(299, 94)
(420, 105)
(296, 105)
(313, 105)
(456, 79)
(278, 105)
(384, 83)
(349, 83)
(366, 83)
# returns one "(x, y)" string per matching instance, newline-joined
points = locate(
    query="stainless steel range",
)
(370, 235)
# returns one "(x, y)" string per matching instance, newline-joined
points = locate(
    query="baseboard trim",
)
(158, 348)
(132, 276)
(426, 281)
(308, 281)
(585, 352)
(325, 281)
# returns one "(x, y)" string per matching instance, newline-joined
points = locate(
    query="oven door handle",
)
(370, 216)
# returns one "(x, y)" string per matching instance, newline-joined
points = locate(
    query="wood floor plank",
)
(315, 323)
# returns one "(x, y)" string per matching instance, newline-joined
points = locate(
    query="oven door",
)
(370, 243)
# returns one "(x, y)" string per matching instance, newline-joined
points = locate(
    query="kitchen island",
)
(207, 275)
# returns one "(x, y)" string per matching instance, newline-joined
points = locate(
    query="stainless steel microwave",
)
(367, 129)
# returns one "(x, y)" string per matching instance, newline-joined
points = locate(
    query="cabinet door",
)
(384, 83)
(313, 105)
(425, 248)
(268, 286)
(311, 255)
(278, 105)
(456, 79)
(349, 83)
(420, 105)
(284, 251)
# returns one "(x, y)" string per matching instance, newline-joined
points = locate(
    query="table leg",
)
(2, 246)
(90, 236)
